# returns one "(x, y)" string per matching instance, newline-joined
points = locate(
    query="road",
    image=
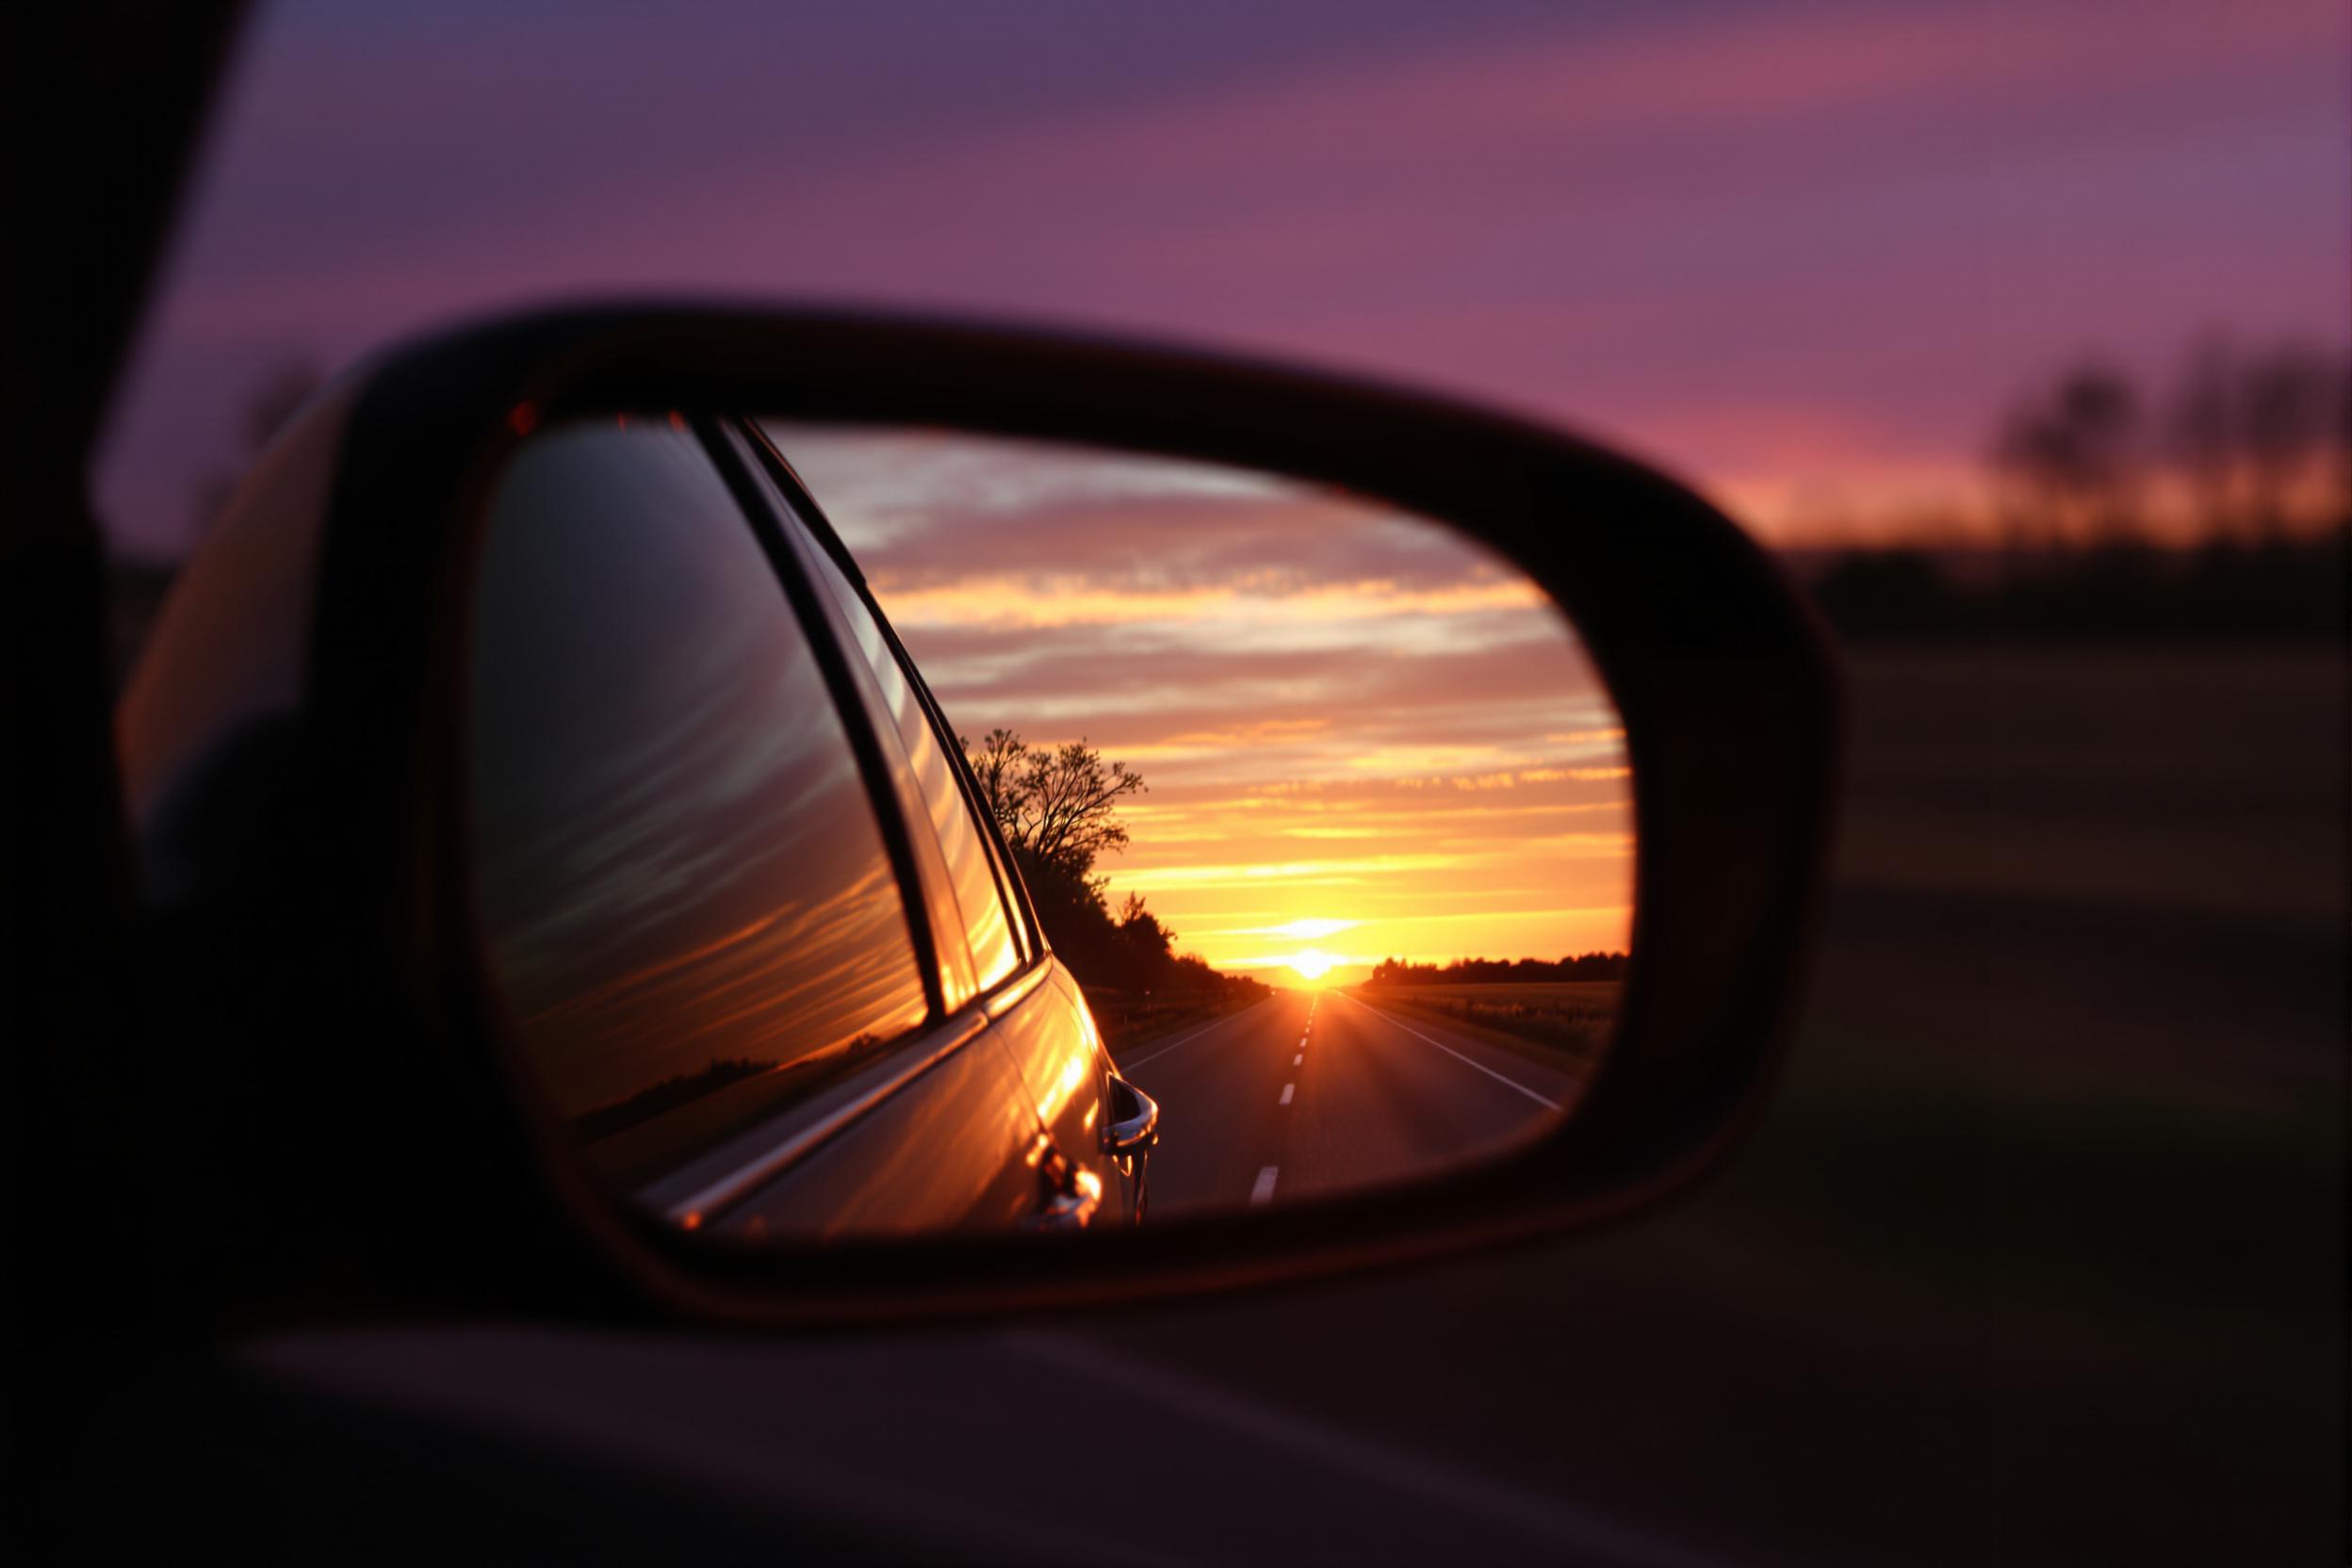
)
(1309, 1093)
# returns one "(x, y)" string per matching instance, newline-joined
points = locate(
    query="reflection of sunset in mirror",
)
(1362, 737)
(1311, 964)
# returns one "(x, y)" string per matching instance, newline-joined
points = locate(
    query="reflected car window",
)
(686, 900)
(993, 954)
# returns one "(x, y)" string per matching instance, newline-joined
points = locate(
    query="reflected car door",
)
(711, 921)
(1038, 1012)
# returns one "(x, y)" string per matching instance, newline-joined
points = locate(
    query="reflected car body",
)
(984, 1100)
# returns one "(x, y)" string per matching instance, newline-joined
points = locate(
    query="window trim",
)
(710, 1196)
(942, 901)
(833, 665)
(789, 1133)
(1029, 936)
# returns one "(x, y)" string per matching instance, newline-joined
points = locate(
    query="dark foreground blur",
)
(2038, 1255)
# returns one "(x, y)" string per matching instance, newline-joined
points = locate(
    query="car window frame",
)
(1028, 935)
(717, 1178)
(833, 669)
(942, 901)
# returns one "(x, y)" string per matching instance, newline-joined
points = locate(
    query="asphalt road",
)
(1310, 1092)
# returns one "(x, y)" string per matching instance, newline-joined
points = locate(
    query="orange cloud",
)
(1350, 721)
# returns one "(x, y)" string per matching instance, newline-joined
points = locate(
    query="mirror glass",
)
(881, 832)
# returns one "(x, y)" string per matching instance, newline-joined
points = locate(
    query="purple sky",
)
(1798, 253)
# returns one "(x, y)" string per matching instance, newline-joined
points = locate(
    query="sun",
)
(1312, 965)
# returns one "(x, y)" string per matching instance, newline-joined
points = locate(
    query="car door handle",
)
(1134, 1124)
(1070, 1201)
(1073, 1193)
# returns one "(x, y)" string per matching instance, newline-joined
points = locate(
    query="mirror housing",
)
(437, 1182)
(1134, 1128)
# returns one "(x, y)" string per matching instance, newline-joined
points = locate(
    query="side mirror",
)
(1130, 1138)
(1134, 1127)
(441, 761)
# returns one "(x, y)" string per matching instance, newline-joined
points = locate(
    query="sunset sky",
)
(1364, 737)
(1800, 253)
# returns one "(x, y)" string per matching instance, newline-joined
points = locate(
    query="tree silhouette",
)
(1057, 808)
(2290, 401)
(1147, 940)
(1055, 804)
(2259, 445)
(2202, 437)
(2077, 457)
(2249, 436)
(1478, 971)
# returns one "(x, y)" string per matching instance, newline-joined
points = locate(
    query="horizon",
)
(1361, 736)
(1806, 260)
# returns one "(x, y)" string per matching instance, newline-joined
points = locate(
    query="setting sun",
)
(1358, 730)
(1312, 965)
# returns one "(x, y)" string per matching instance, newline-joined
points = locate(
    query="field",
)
(1127, 1019)
(1572, 1017)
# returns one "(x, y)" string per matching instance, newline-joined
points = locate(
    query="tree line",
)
(2252, 452)
(2253, 443)
(2252, 449)
(1487, 971)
